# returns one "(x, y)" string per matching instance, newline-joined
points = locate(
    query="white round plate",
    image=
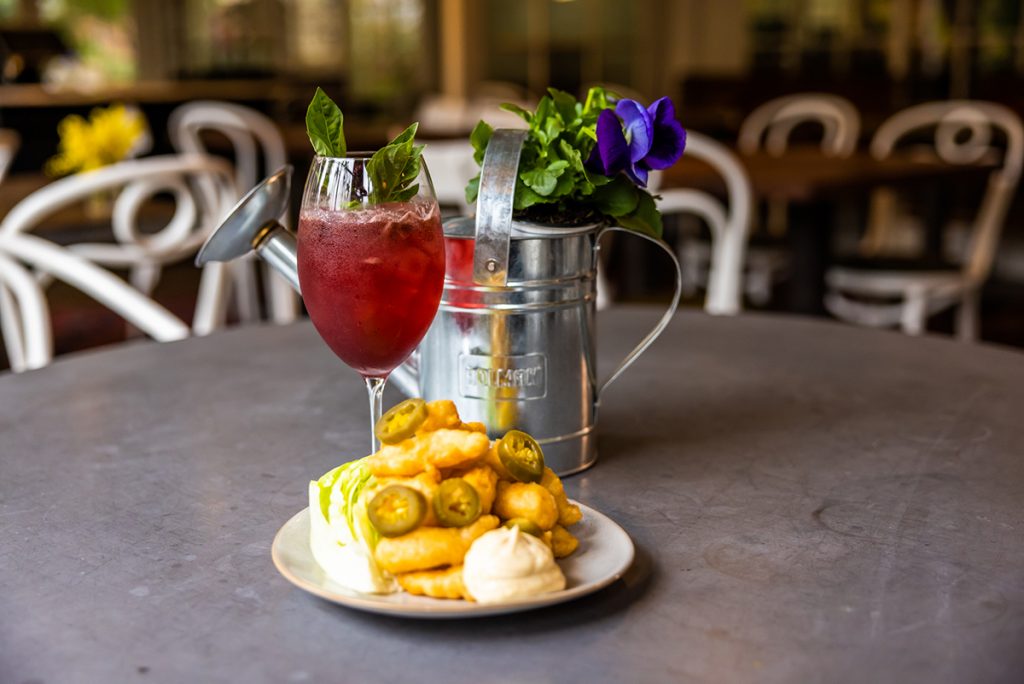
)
(604, 554)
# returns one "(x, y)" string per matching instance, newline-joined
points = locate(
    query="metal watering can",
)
(513, 342)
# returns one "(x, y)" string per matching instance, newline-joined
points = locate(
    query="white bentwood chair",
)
(251, 135)
(770, 127)
(29, 262)
(721, 264)
(774, 121)
(895, 295)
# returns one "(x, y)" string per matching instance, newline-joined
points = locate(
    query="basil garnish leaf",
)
(394, 168)
(325, 126)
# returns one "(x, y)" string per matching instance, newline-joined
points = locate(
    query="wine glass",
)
(371, 271)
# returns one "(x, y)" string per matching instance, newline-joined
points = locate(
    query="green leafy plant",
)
(585, 162)
(393, 169)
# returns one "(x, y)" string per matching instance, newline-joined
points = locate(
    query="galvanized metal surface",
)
(513, 342)
(279, 248)
(810, 503)
(523, 355)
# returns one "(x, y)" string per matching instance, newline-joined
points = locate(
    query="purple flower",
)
(636, 140)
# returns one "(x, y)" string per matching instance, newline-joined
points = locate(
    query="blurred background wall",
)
(388, 62)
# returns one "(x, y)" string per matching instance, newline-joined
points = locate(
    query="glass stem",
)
(375, 390)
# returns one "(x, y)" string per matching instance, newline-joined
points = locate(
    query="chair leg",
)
(915, 308)
(605, 293)
(145, 276)
(283, 304)
(759, 284)
(689, 259)
(247, 301)
(212, 301)
(12, 334)
(967, 317)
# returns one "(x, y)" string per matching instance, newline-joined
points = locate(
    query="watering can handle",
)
(498, 175)
(662, 324)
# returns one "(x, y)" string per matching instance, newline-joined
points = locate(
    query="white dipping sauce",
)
(506, 564)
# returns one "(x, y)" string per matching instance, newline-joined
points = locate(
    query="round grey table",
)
(810, 503)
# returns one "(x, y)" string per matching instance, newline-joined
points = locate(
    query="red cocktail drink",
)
(371, 279)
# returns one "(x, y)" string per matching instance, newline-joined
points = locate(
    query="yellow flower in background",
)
(110, 135)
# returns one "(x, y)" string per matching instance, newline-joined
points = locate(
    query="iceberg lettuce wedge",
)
(341, 537)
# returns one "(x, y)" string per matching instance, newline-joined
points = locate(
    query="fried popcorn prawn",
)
(442, 448)
(492, 460)
(484, 481)
(563, 543)
(430, 547)
(457, 448)
(526, 500)
(568, 513)
(441, 415)
(425, 483)
(394, 461)
(445, 583)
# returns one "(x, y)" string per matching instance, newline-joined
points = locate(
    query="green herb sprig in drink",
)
(393, 169)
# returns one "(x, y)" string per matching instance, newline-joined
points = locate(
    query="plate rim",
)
(454, 608)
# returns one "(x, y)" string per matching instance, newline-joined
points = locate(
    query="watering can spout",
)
(253, 226)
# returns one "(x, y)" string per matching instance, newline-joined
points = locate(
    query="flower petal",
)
(639, 127)
(611, 153)
(669, 138)
(638, 174)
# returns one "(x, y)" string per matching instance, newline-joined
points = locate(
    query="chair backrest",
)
(775, 120)
(78, 265)
(451, 165)
(729, 226)
(24, 317)
(9, 143)
(963, 134)
(198, 206)
(61, 263)
(249, 132)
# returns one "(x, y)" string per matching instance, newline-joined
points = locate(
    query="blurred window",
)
(565, 44)
(100, 33)
(317, 37)
(386, 49)
(997, 35)
(233, 37)
(376, 45)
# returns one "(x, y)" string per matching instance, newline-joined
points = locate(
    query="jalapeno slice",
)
(456, 502)
(521, 456)
(401, 421)
(396, 510)
(525, 525)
